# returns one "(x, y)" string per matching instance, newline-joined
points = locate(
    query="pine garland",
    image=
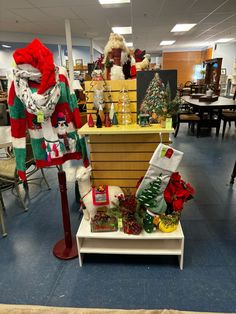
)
(151, 197)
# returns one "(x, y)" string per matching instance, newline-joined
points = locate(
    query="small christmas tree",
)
(114, 119)
(99, 121)
(90, 121)
(158, 99)
(151, 197)
(156, 96)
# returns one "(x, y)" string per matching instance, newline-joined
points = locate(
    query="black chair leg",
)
(224, 126)
(233, 174)
(176, 129)
(192, 127)
(198, 130)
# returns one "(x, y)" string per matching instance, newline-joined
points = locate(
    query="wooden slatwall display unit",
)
(120, 154)
(122, 159)
(113, 88)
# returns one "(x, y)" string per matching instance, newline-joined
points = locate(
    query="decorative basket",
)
(103, 223)
(131, 225)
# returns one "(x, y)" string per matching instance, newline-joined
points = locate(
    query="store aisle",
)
(30, 274)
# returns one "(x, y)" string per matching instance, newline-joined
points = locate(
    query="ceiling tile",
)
(208, 6)
(32, 15)
(61, 3)
(152, 20)
(59, 12)
(6, 4)
(9, 16)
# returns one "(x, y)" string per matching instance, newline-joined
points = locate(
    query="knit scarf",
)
(38, 104)
(41, 105)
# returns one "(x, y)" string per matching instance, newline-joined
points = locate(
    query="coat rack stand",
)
(66, 248)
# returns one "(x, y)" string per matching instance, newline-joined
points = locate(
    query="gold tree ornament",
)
(124, 110)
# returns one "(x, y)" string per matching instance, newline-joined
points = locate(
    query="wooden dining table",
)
(210, 112)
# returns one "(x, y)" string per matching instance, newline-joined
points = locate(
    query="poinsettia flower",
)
(168, 196)
(177, 192)
(175, 176)
(190, 189)
(177, 205)
(181, 193)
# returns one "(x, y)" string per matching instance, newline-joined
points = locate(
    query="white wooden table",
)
(156, 243)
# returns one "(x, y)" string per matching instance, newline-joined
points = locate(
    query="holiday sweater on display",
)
(54, 140)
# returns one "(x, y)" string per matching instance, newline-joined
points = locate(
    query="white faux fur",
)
(83, 178)
(115, 41)
(117, 73)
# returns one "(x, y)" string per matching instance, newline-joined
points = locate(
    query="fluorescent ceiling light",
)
(6, 46)
(122, 30)
(182, 27)
(224, 40)
(129, 44)
(167, 42)
(113, 1)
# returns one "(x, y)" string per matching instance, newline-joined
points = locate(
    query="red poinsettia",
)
(177, 192)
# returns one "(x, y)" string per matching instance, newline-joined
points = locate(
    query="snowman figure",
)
(61, 128)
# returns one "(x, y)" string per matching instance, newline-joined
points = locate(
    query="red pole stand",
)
(65, 248)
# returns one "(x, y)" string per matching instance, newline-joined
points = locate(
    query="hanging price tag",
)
(168, 123)
(163, 152)
(120, 223)
(40, 117)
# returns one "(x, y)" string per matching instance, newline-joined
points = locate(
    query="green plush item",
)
(151, 197)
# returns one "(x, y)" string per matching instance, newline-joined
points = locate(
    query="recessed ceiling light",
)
(182, 27)
(167, 42)
(224, 40)
(129, 44)
(113, 1)
(6, 46)
(122, 30)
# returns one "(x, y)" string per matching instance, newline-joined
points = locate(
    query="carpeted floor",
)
(30, 274)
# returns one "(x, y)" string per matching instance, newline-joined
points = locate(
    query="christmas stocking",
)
(163, 163)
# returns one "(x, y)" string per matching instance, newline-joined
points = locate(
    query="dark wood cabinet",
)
(213, 72)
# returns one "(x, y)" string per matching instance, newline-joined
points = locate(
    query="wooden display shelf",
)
(125, 129)
(111, 95)
(156, 243)
(120, 154)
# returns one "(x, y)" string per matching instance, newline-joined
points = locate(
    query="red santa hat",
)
(41, 58)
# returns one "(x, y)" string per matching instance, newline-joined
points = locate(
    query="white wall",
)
(226, 51)
(79, 52)
(19, 40)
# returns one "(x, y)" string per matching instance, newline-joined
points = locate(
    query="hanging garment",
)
(41, 102)
(165, 160)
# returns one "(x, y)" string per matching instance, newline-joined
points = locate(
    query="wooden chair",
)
(228, 116)
(2, 223)
(186, 115)
(186, 89)
(9, 178)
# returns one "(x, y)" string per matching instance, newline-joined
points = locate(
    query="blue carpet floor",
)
(30, 274)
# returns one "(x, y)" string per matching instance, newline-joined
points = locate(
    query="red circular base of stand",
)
(61, 251)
